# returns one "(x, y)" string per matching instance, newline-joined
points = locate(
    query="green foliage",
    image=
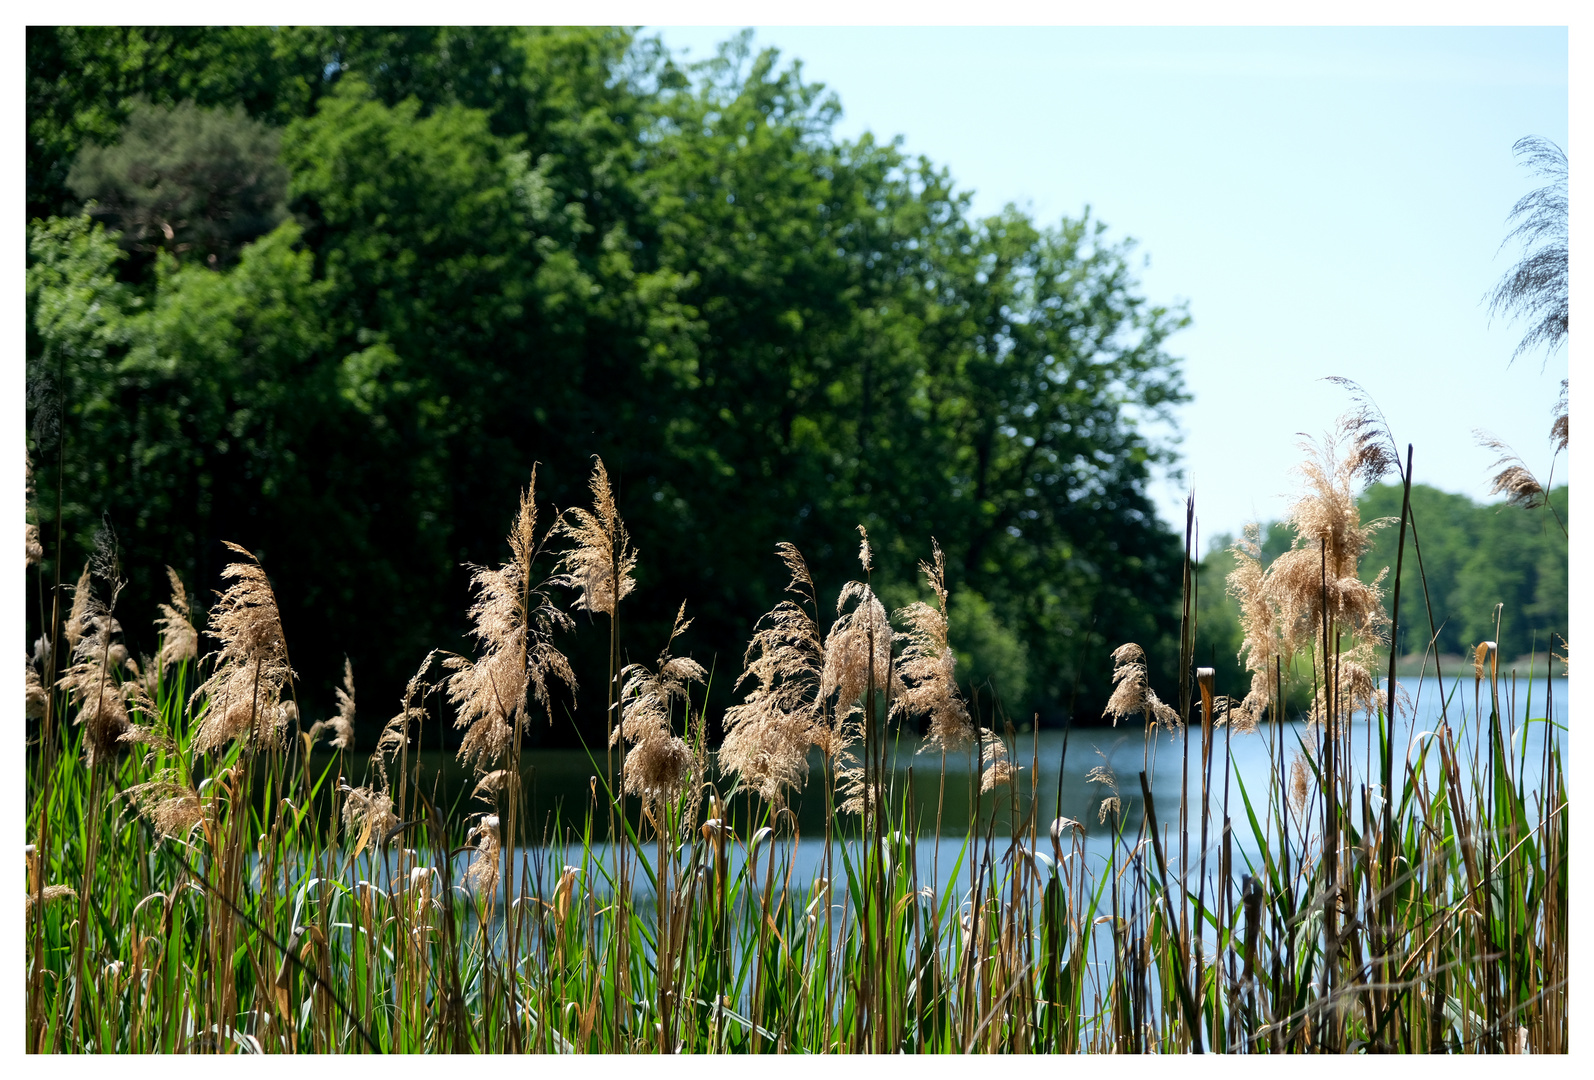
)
(1477, 555)
(511, 246)
(186, 180)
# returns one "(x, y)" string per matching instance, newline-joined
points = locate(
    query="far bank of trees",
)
(331, 293)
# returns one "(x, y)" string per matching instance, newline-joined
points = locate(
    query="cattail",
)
(514, 622)
(927, 663)
(600, 562)
(767, 736)
(1132, 693)
(251, 668)
(657, 764)
(179, 639)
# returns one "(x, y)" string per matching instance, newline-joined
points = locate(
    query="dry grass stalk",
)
(659, 761)
(767, 736)
(926, 666)
(1132, 693)
(251, 669)
(395, 733)
(514, 622)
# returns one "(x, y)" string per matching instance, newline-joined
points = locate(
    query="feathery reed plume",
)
(926, 666)
(998, 768)
(78, 616)
(1520, 486)
(1325, 516)
(91, 681)
(483, 872)
(173, 808)
(1298, 782)
(396, 732)
(341, 725)
(1132, 693)
(1261, 646)
(52, 893)
(514, 622)
(1103, 774)
(368, 812)
(34, 549)
(37, 696)
(251, 669)
(657, 765)
(179, 639)
(857, 666)
(600, 562)
(767, 736)
(1558, 425)
(1282, 606)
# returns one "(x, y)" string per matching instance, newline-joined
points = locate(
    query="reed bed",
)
(196, 884)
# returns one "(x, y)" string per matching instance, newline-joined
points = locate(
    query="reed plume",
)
(342, 724)
(514, 621)
(31, 544)
(37, 696)
(1283, 606)
(998, 768)
(175, 627)
(1559, 419)
(483, 872)
(767, 736)
(395, 733)
(251, 669)
(1132, 693)
(926, 666)
(92, 681)
(601, 560)
(172, 807)
(857, 667)
(658, 762)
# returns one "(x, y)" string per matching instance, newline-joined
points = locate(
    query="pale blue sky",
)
(1328, 201)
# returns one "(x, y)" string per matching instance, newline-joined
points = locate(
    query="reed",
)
(197, 884)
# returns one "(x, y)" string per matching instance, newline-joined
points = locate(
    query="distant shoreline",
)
(1409, 667)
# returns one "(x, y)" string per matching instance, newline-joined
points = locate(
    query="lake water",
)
(1058, 782)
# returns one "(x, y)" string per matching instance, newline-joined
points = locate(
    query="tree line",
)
(331, 293)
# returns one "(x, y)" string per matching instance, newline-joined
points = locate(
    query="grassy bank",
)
(203, 877)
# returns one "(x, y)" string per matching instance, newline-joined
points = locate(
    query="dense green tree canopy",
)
(512, 246)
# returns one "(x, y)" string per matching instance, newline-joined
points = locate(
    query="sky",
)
(1326, 201)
